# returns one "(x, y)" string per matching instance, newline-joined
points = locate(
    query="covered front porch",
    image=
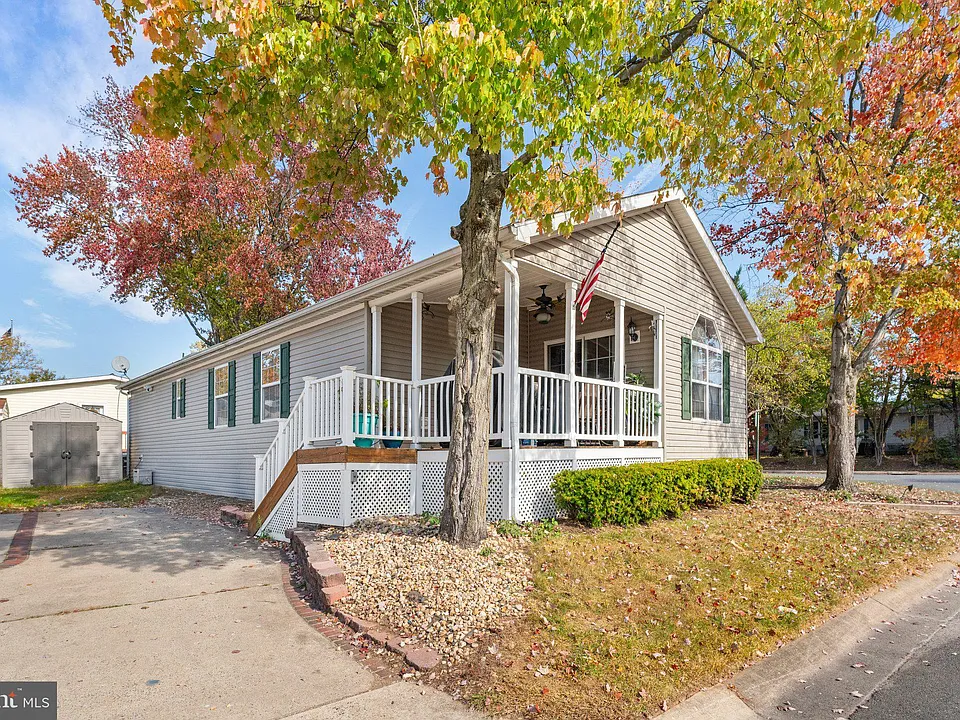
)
(556, 380)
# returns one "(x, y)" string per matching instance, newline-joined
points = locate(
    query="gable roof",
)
(66, 381)
(511, 236)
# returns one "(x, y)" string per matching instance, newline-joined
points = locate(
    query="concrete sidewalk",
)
(137, 614)
(834, 670)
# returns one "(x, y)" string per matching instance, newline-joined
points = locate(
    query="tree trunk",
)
(465, 486)
(841, 408)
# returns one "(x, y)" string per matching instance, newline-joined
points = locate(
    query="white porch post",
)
(309, 410)
(416, 342)
(619, 367)
(511, 355)
(658, 370)
(258, 486)
(376, 339)
(348, 374)
(570, 347)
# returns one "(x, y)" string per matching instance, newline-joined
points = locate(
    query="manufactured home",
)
(342, 410)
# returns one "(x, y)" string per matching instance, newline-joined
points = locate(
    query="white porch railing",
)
(349, 406)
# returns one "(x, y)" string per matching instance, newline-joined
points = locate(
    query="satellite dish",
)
(120, 364)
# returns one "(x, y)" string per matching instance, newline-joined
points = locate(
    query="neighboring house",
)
(234, 419)
(99, 394)
(941, 423)
(3, 408)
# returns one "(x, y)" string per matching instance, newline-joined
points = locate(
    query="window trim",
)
(180, 393)
(706, 383)
(225, 366)
(264, 386)
(547, 344)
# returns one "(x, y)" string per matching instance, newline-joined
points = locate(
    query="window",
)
(178, 398)
(93, 408)
(270, 384)
(595, 357)
(706, 372)
(221, 396)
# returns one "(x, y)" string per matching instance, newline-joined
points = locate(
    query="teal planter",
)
(392, 443)
(364, 424)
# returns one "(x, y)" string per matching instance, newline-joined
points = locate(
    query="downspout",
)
(513, 367)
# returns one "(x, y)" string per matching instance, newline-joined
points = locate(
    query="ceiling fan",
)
(545, 306)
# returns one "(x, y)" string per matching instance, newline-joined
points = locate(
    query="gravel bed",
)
(182, 503)
(400, 574)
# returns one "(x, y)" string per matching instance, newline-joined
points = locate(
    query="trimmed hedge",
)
(634, 494)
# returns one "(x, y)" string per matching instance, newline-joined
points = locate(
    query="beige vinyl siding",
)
(638, 356)
(184, 453)
(16, 443)
(650, 264)
(438, 346)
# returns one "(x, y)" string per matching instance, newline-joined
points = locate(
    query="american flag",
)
(586, 287)
(593, 277)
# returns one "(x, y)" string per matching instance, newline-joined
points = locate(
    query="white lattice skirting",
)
(341, 494)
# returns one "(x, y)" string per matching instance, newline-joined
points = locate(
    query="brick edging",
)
(22, 541)
(326, 585)
(333, 631)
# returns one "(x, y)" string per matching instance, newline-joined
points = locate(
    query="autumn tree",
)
(788, 373)
(526, 101)
(19, 362)
(227, 248)
(882, 392)
(859, 213)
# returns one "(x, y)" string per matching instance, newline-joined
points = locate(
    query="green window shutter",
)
(726, 386)
(173, 400)
(232, 398)
(256, 388)
(685, 408)
(210, 399)
(183, 397)
(285, 380)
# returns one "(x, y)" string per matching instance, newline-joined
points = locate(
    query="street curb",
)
(781, 673)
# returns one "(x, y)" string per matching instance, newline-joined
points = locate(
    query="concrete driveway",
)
(137, 614)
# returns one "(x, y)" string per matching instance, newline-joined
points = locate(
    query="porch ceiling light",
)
(632, 331)
(544, 314)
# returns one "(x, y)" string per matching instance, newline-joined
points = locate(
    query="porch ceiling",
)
(531, 278)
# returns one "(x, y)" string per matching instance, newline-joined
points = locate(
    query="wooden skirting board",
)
(319, 456)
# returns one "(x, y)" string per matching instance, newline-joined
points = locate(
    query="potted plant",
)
(365, 422)
(384, 406)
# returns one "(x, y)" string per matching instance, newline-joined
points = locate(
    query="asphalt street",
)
(932, 481)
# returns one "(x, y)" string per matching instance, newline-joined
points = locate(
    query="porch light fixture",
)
(544, 314)
(544, 306)
(632, 331)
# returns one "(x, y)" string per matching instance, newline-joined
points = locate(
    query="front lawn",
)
(116, 494)
(627, 622)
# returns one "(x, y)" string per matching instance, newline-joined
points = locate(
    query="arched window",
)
(706, 371)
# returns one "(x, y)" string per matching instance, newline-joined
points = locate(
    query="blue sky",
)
(54, 55)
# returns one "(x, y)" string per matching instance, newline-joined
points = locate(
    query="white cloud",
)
(639, 180)
(30, 302)
(42, 340)
(77, 283)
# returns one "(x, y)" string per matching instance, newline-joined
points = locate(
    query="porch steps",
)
(317, 456)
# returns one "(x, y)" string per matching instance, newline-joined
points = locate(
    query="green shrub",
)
(636, 494)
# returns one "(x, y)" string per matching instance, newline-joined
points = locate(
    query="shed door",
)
(49, 444)
(81, 453)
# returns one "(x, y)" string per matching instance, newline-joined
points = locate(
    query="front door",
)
(64, 453)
